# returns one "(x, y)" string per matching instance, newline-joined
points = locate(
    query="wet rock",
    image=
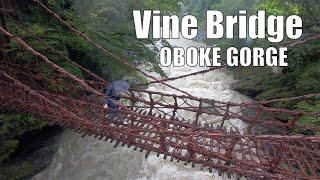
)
(42, 157)
(247, 86)
(35, 152)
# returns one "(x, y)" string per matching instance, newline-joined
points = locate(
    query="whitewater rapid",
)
(88, 158)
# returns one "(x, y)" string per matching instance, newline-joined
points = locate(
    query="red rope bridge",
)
(155, 122)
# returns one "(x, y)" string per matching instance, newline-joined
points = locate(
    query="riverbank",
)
(34, 153)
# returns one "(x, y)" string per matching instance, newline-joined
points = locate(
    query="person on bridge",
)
(113, 93)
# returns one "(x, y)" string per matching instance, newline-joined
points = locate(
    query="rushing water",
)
(88, 158)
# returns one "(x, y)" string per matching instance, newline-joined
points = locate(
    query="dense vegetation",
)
(110, 23)
(303, 74)
(105, 21)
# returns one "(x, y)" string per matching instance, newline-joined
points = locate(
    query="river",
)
(88, 158)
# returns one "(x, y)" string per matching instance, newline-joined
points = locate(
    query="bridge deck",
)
(258, 156)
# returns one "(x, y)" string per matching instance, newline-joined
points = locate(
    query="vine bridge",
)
(154, 122)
